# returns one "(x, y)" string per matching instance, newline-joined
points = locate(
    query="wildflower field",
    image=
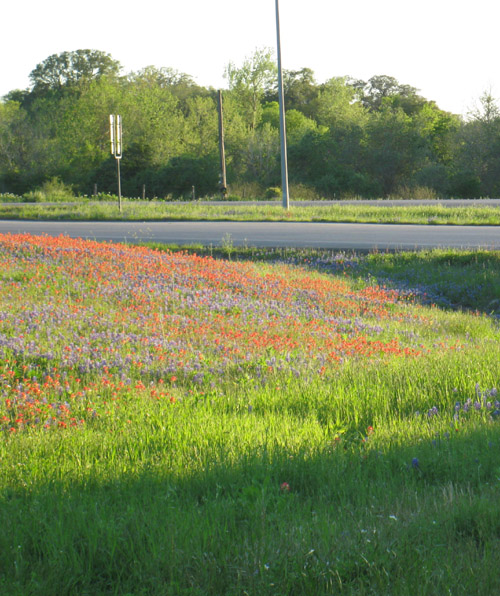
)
(174, 424)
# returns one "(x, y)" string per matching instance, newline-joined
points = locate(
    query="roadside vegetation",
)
(104, 210)
(466, 280)
(346, 137)
(287, 422)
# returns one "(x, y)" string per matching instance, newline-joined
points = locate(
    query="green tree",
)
(28, 154)
(332, 162)
(393, 150)
(382, 88)
(436, 135)
(13, 142)
(297, 124)
(77, 128)
(438, 129)
(201, 126)
(152, 118)
(70, 68)
(16, 145)
(181, 85)
(249, 83)
(258, 156)
(300, 90)
(479, 153)
(182, 173)
(336, 105)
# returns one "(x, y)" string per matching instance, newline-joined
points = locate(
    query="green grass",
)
(85, 209)
(384, 495)
(453, 279)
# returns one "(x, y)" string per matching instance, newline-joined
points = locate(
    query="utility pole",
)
(115, 131)
(284, 164)
(223, 183)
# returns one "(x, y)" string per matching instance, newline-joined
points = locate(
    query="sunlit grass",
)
(173, 424)
(84, 209)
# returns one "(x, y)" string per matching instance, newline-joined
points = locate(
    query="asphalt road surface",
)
(343, 236)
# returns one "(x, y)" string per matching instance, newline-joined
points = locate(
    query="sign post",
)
(115, 131)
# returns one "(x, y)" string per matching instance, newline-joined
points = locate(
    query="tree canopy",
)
(69, 68)
(346, 137)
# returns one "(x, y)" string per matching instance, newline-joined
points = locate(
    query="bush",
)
(302, 192)
(182, 173)
(345, 184)
(273, 192)
(465, 185)
(418, 193)
(51, 190)
(247, 191)
(8, 197)
(434, 176)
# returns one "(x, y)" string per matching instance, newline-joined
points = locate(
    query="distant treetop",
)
(68, 68)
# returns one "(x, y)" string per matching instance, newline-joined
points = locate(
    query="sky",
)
(446, 49)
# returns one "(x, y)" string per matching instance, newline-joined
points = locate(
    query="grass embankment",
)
(204, 211)
(174, 424)
(448, 278)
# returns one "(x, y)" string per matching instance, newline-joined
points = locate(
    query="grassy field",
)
(288, 423)
(233, 211)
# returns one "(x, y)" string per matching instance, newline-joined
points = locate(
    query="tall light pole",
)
(284, 163)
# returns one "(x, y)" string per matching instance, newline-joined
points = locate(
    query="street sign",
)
(115, 133)
(115, 130)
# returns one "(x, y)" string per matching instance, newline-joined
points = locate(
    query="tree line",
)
(346, 137)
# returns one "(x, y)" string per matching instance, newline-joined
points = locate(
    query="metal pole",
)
(223, 184)
(284, 164)
(119, 184)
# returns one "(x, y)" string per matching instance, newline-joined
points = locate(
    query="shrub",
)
(51, 190)
(183, 172)
(302, 192)
(433, 176)
(8, 197)
(419, 193)
(273, 192)
(465, 185)
(247, 191)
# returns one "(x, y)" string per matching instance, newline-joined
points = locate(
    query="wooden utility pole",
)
(223, 183)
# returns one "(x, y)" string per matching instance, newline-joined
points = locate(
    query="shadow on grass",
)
(413, 518)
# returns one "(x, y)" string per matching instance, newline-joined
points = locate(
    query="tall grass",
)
(86, 209)
(173, 424)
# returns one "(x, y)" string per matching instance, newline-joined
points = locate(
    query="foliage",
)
(68, 69)
(51, 190)
(273, 192)
(176, 424)
(183, 171)
(345, 137)
(249, 83)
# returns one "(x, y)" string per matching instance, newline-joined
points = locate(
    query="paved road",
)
(326, 235)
